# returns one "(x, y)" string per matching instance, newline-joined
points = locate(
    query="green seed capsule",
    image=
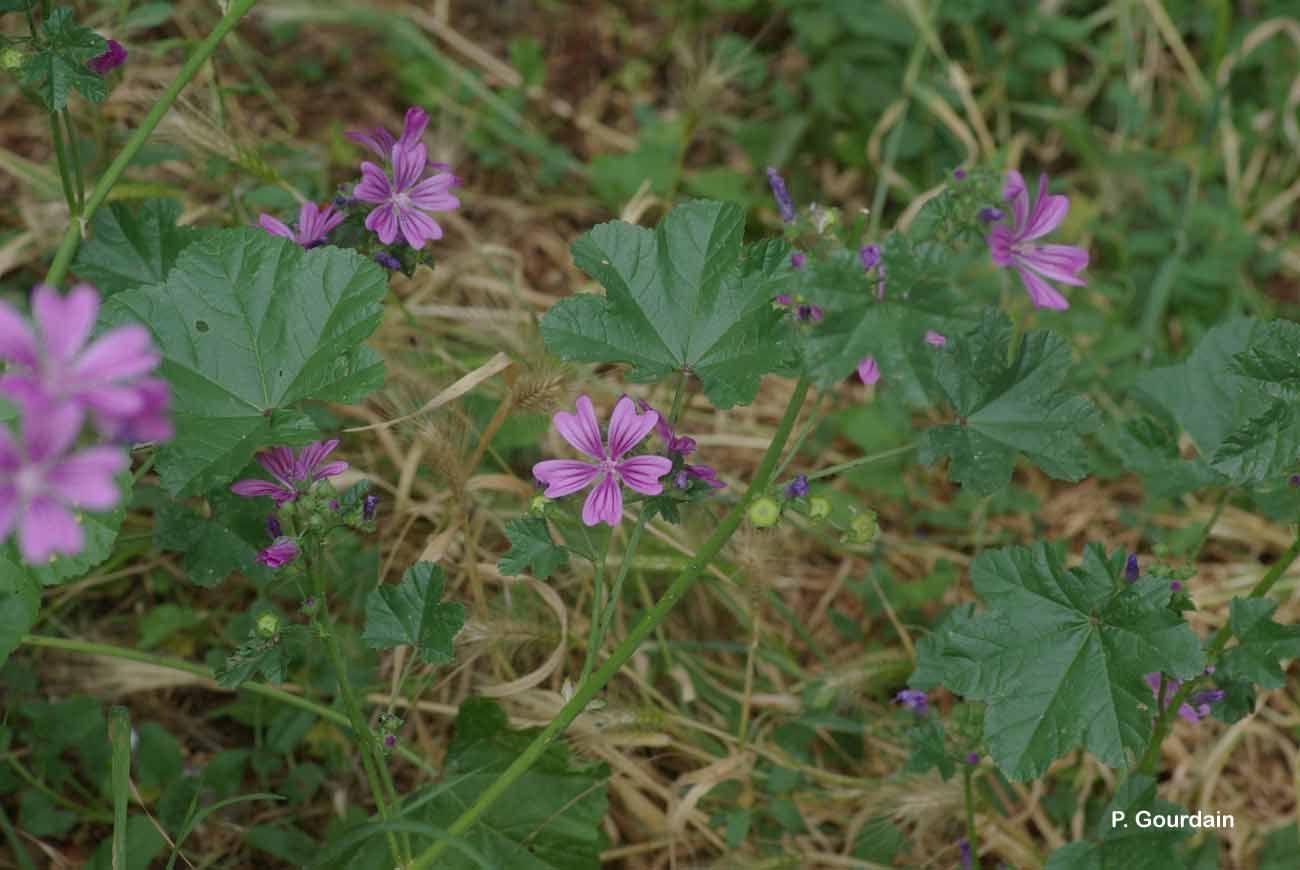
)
(268, 624)
(819, 508)
(863, 529)
(764, 512)
(11, 59)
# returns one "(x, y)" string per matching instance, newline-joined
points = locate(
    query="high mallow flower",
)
(627, 429)
(380, 141)
(314, 224)
(682, 445)
(42, 484)
(53, 365)
(112, 57)
(279, 554)
(293, 474)
(404, 199)
(868, 370)
(1014, 247)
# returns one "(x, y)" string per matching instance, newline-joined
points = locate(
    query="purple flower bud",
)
(1176, 586)
(705, 473)
(806, 313)
(390, 740)
(1294, 480)
(782, 196)
(914, 700)
(368, 505)
(797, 259)
(1209, 696)
(388, 261)
(111, 59)
(1131, 570)
(797, 488)
(972, 758)
(783, 299)
(1209, 669)
(681, 480)
(959, 174)
(967, 860)
(870, 256)
(935, 339)
(279, 554)
(989, 214)
(334, 504)
(273, 527)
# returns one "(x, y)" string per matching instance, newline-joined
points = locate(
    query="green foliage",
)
(552, 819)
(531, 548)
(20, 601)
(412, 613)
(132, 245)
(1060, 654)
(1128, 844)
(1261, 642)
(1008, 408)
(928, 749)
(683, 297)
(1244, 427)
(58, 66)
(251, 326)
(213, 546)
(268, 656)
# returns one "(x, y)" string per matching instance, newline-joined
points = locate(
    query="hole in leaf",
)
(201, 325)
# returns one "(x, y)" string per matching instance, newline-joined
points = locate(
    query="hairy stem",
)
(72, 236)
(1165, 720)
(588, 688)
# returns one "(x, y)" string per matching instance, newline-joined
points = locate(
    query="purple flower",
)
(1209, 696)
(293, 474)
(1185, 711)
(990, 214)
(868, 370)
(151, 422)
(972, 758)
(967, 859)
(1013, 246)
(279, 554)
(1131, 569)
(42, 484)
(914, 700)
(388, 261)
(797, 488)
(627, 429)
(113, 57)
(673, 443)
(390, 740)
(959, 174)
(54, 366)
(380, 141)
(937, 339)
(797, 259)
(705, 473)
(808, 313)
(1176, 586)
(870, 256)
(314, 224)
(786, 299)
(368, 506)
(405, 198)
(782, 196)
(273, 526)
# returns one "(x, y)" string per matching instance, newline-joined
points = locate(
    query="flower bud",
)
(11, 59)
(539, 504)
(863, 528)
(268, 624)
(764, 512)
(819, 508)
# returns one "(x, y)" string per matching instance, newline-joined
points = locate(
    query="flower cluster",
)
(59, 378)
(1193, 712)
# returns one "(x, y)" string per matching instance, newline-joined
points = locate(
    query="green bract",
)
(1005, 408)
(1060, 654)
(250, 326)
(412, 613)
(683, 297)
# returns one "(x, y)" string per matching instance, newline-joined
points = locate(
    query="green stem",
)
(1164, 721)
(61, 157)
(616, 593)
(74, 153)
(968, 793)
(119, 736)
(72, 237)
(597, 612)
(588, 688)
(862, 460)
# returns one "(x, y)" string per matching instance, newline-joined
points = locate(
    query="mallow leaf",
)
(1261, 643)
(1241, 424)
(1060, 654)
(413, 613)
(132, 245)
(1008, 408)
(213, 546)
(250, 326)
(682, 297)
(1273, 354)
(268, 656)
(929, 749)
(552, 821)
(531, 548)
(1119, 841)
(58, 67)
(20, 601)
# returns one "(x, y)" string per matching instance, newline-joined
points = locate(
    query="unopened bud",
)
(764, 512)
(819, 508)
(863, 528)
(268, 624)
(11, 59)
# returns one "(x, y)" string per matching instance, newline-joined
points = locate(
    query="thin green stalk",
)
(1209, 526)
(72, 236)
(968, 794)
(74, 153)
(1164, 722)
(37, 783)
(860, 461)
(597, 611)
(119, 737)
(616, 594)
(588, 688)
(61, 157)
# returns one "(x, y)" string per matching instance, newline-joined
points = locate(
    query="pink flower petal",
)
(312, 456)
(604, 504)
(999, 242)
(418, 228)
(413, 126)
(564, 476)
(581, 429)
(330, 469)
(938, 339)
(408, 165)
(377, 139)
(374, 186)
(1048, 212)
(85, 479)
(45, 528)
(280, 462)
(627, 428)
(868, 370)
(1042, 294)
(383, 223)
(1015, 190)
(274, 226)
(64, 322)
(254, 488)
(17, 343)
(642, 473)
(124, 352)
(51, 432)
(432, 194)
(1057, 262)
(110, 401)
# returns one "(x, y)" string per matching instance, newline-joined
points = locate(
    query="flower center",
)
(29, 481)
(402, 200)
(608, 466)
